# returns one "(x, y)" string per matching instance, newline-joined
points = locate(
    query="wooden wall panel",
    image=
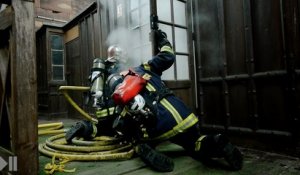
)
(247, 60)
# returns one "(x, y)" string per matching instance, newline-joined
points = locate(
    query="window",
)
(139, 26)
(57, 57)
(172, 17)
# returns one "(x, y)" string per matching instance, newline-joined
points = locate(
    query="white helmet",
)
(138, 103)
(114, 53)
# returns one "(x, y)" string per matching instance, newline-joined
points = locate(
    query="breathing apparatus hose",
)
(64, 90)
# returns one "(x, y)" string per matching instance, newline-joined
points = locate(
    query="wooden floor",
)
(255, 163)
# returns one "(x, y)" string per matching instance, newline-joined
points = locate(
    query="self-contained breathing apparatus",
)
(139, 113)
(97, 81)
(100, 72)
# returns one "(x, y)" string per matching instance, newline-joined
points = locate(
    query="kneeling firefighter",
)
(159, 115)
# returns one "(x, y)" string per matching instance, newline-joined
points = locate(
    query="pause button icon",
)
(12, 163)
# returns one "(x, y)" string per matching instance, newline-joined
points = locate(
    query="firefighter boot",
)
(80, 129)
(218, 146)
(231, 153)
(154, 159)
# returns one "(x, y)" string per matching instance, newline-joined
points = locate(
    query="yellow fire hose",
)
(61, 149)
(100, 148)
(51, 128)
(64, 90)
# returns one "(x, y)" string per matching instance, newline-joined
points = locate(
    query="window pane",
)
(145, 34)
(168, 74)
(56, 42)
(145, 14)
(146, 53)
(164, 10)
(134, 4)
(144, 2)
(134, 57)
(134, 19)
(182, 67)
(181, 40)
(135, 38)
(57, 57)
(180, 13)
(58, 73)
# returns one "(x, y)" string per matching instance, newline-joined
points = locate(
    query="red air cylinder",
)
(128, 89)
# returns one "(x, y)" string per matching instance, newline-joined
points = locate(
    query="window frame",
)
(50, 59)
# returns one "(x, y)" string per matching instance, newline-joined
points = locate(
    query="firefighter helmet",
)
(114, 53)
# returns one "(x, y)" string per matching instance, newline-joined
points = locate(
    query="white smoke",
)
(128, 41)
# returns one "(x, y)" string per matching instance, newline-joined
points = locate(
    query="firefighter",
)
(105, 76)
(99, 95)
(144, 95)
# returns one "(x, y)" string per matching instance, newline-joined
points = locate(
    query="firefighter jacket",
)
(173, 116)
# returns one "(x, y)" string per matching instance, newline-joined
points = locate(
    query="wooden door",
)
(247, 59)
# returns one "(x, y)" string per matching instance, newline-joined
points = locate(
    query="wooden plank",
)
(23, 104)
(72, 34)
(6, 18)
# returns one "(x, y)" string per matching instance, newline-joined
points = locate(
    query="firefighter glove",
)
(161, 39)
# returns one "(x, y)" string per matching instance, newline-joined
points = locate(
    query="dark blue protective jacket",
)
(173, 116)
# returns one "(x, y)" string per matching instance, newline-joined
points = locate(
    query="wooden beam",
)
(6, 18)
(23, 101)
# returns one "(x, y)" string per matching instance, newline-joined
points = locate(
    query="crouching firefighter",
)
(152, 114)
(99, 97)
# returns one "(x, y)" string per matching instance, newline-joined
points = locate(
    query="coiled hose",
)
(100, 148)
(51, 128)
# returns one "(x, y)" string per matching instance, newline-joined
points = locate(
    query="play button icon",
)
(3, 164)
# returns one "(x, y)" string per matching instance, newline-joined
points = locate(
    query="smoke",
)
(133, 39)
(128, 41)
(121, 37)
